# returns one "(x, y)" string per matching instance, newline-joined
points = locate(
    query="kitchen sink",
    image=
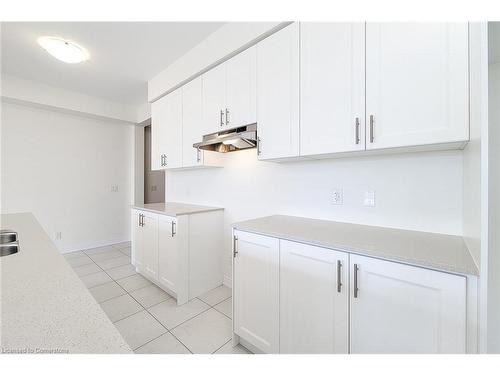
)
(9, 243)
(8, 249)
(7, 236)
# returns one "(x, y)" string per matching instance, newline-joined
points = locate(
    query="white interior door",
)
(332, 91)
(256, 290)
(241, 89)
(214, 99)
(278, 94)
(149, 242)
(314, 300)
(192, 127)
(416, 83)
(167, 252)
(405, 309)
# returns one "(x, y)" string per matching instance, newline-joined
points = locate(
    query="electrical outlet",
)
(369, 200)
(337, 196)
(114, 188)
(58, 235)
(153, 187)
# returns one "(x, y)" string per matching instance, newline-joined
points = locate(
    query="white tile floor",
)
(148, 318)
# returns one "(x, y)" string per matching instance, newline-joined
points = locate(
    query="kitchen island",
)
(45, 308)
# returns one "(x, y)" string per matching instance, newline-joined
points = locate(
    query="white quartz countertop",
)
(431, 250)
(175, 208)
(44, 305)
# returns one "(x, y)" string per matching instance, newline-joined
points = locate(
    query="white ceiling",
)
(124, 55)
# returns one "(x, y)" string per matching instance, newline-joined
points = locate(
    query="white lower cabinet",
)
(148, 244)
(256, 290)
(181, 254)
(290, 297)
(167, 256)
(397, 308)
(314, 299)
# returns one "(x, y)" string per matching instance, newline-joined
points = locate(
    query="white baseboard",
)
(227, 281)
(93, 246)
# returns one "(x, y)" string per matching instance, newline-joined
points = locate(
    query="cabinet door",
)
(314, 298)
(167, 252)
(149, 245)
(416, 84)
(332, 96)
(173, 129)
(166, 131)
(192, 128)
(214, 99)
(241, 89)
(137, 238)
(405, 309)
(158, 133)
(278, 94)
(256, 290)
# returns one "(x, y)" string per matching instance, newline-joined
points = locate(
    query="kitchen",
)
(329, 188)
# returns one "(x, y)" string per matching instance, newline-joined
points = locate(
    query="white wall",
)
(61, 167)
(494, 209)
(421, 191)
(39, 94)
(494, 190)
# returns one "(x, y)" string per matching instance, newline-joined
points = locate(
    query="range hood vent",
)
(235, 139)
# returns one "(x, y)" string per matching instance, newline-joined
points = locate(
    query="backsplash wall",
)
(419, 191)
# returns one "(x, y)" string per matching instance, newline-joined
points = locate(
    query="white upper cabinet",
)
(166, 135)
(256, 290)
(192, 125)
(403, 309)
(278, 94)
(241, 89)
(214, 99)
(416, 84)
(229, 93)
(314, 300)
(332, 85)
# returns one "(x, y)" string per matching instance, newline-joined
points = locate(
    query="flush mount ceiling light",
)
(63, 50)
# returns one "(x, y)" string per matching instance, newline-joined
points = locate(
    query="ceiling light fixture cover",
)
(63, 50)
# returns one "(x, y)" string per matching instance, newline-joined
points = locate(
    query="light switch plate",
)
(337, 196)
(369, 200)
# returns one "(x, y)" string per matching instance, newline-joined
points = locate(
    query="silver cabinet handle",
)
(165, 156)
(356, 268)
(143, 223)
(140, 220)
(161, 162)
(173, 228)
(198, 155)
(372, 120)
(258, 145)
(227, 116)
(221, 117)
(339, 276)
(234, 246)
(357, 131)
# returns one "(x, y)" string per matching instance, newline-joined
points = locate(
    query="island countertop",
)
(430, 250)
(174, 208)
(45, 307)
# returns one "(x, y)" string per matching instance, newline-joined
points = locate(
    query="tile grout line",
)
(210, 307)
(220, 346)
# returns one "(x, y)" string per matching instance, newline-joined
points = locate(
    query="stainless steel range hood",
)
(235, 139)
